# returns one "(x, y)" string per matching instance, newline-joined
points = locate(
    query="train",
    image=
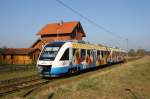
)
(63, 57)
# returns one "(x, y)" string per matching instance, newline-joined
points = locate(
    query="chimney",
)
(61, 22)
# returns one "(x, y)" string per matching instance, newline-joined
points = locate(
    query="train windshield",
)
(50, 51)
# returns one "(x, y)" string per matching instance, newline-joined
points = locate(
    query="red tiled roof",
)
(60, 28)
(18, 51)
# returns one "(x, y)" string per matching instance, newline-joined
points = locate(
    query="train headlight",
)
(39, 69)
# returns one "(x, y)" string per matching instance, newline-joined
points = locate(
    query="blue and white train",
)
(61, 57)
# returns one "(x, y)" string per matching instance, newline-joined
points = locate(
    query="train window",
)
(50, 51)
(74, 51)
(107, 53)
(98, 53)
(102, 52)
(88, 52)
(55, 44)
(83, 54)
(76, 56)
(65, 55)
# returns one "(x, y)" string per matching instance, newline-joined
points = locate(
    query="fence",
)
(11, 68)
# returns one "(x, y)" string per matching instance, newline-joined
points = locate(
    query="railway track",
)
(17, 84)
(13, 85)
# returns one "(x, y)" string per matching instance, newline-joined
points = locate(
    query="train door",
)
(94, 58)
(90, 58)
(76, 57)
(83, 58)
(104, 57)
(98, 58)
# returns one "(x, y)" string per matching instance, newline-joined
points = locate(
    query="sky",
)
(21, 20)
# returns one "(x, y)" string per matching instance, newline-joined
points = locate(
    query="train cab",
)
(54, 59)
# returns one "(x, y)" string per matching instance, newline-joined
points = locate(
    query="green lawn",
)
(127, 81)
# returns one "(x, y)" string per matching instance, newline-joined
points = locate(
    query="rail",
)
(12, 85)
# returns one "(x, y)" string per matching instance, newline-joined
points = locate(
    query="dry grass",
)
(16, 74)
(127, 81)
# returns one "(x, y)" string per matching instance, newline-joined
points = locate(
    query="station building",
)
(59, 31)
(19, 55)
(49, 33)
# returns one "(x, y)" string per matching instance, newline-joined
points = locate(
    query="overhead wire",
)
(89, 20)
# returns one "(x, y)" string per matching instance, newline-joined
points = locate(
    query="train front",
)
(49, 64)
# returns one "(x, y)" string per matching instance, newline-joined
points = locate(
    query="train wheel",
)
(74, 70)
(77, 69)
(71, 71)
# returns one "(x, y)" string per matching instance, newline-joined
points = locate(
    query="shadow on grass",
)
(131, 92)
(64, 76)
(51, 95)
(68, 75)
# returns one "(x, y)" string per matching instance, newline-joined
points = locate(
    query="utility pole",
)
(127, 43)
(127, 46)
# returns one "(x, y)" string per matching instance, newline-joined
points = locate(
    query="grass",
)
(127, 81)
(17, 65)
(16, 74)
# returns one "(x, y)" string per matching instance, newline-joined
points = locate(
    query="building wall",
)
(50, 39)
(20, 59)
(39, 45)
(35, 56)
(47, 39)
(16, 59)
(1, 59)
(79, 36)
(31, 59)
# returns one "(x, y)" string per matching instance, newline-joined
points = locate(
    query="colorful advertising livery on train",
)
(61, 57)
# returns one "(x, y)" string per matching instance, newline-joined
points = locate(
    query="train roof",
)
(87, 45)
(117, 49)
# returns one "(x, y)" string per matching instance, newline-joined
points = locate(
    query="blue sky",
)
(20, 20)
